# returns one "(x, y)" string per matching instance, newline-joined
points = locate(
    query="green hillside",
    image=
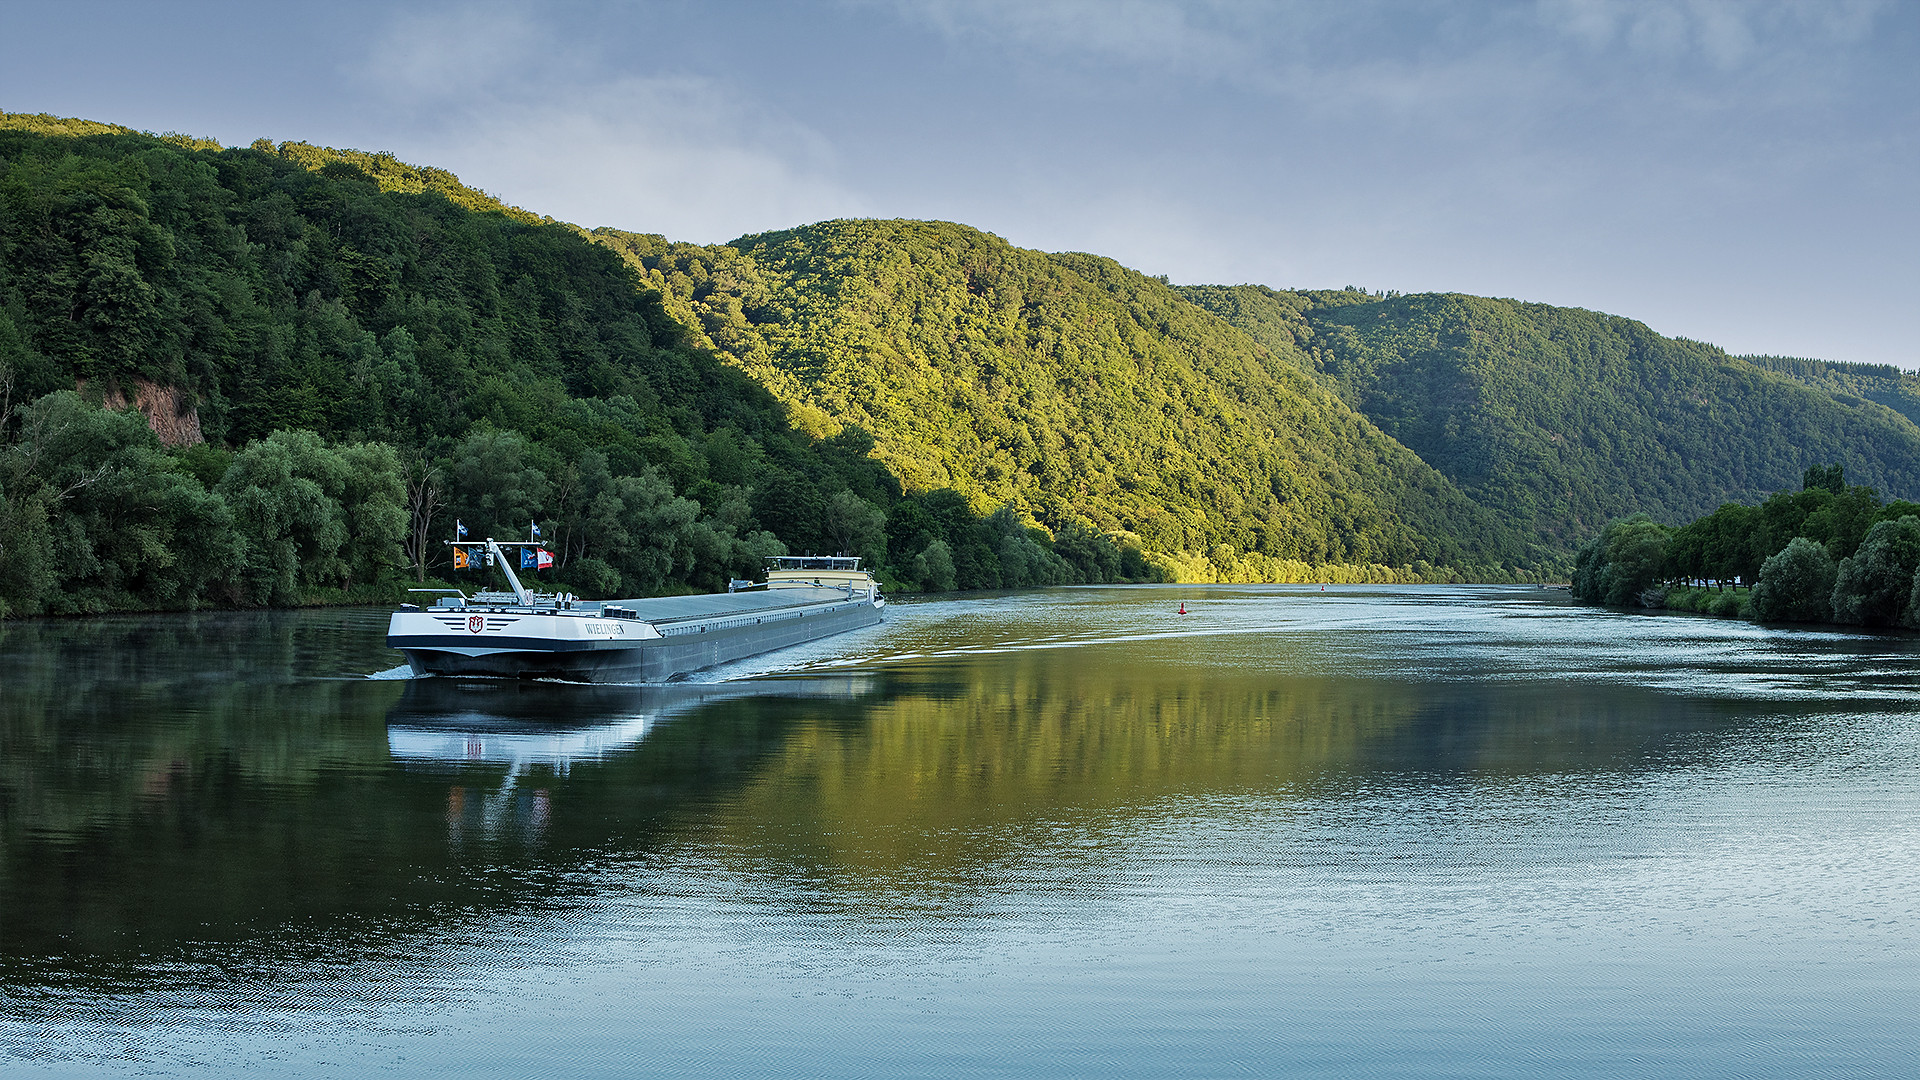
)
(1065, 385)
(1561, 419)
(371, 351)
(1847, 383)
(345, 353)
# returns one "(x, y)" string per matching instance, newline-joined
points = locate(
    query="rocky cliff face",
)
(169, 411)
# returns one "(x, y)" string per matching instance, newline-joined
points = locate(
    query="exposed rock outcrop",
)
(169, 410)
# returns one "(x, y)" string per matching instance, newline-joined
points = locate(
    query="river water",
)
(1360, 831)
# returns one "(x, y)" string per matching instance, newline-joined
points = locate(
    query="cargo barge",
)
(527, 635)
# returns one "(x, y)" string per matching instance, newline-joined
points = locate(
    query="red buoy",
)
(1183, 607)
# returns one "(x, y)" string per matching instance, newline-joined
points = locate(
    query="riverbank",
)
(1706, 600)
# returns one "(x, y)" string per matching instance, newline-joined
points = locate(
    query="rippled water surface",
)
(1420, 831)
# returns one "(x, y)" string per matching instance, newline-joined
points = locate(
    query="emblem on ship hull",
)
(476, 623)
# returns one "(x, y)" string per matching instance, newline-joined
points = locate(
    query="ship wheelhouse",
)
(826, 571)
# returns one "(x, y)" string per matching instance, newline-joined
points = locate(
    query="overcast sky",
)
(1743, 174)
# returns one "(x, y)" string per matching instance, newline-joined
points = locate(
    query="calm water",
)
(1419, 831)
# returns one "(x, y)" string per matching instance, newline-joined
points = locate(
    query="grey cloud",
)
(438, 56)
(502, 94)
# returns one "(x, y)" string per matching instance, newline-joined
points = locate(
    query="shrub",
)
(1685, 599)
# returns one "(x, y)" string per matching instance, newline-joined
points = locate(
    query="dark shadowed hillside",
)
(1562, 419)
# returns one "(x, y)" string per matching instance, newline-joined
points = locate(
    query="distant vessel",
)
(527, 635)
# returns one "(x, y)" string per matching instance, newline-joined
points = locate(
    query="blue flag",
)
(459, 530)
(527, 559)
(536, 529)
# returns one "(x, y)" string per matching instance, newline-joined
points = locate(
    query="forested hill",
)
(1066, 385)
(371, 351)
(346, 353)
(1562, 419)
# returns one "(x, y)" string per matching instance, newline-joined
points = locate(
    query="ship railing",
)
(532, 601)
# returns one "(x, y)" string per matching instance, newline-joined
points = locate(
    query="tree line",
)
(1828, 552)
(97, 515)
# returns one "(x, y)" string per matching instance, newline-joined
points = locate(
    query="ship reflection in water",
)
(540, 731)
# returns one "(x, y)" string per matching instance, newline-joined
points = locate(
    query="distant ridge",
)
(1561, 418)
